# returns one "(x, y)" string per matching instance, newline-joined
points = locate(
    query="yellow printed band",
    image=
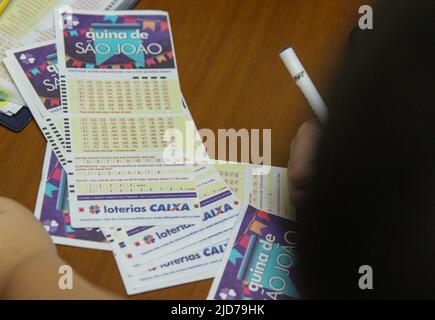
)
(3, 4)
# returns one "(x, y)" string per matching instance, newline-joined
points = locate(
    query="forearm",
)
(29, 264)
(38, 277)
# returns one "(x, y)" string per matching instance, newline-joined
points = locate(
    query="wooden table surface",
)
(231, 76)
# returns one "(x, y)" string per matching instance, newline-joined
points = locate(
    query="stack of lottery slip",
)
(132, 246)
(123, 103)
(63, 116)
(68, 94)
(52, 209)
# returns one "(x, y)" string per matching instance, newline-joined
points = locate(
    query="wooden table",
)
(231, 77)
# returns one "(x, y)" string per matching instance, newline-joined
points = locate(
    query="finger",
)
(303, 155)
(291, 153)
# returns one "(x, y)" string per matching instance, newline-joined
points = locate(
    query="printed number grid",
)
(137, 170)
(234, 181)
(210, 188)
(123, 134)
(259, 185)
(119, 160)
(123, 96)
(148, 186)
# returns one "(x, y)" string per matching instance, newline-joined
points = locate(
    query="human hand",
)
(22, 238)
(302, 160)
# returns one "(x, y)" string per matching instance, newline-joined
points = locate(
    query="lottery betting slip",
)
(35, 72)
(261, 260)
(120, 94)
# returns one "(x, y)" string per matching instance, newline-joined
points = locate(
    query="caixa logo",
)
(168, 207)
(216, 211)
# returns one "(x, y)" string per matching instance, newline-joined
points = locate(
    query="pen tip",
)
(285, 49)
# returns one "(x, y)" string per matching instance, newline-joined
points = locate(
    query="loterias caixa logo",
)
(94, 209)
(149, 239)
(174, 207)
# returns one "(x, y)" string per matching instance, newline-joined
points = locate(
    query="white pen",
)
(304, 82)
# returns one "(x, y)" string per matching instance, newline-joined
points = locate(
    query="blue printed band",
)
(136, 196)
(215, 198)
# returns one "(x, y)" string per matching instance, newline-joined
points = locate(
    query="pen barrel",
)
(304, 82)
(313, 97)
(292, 62)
